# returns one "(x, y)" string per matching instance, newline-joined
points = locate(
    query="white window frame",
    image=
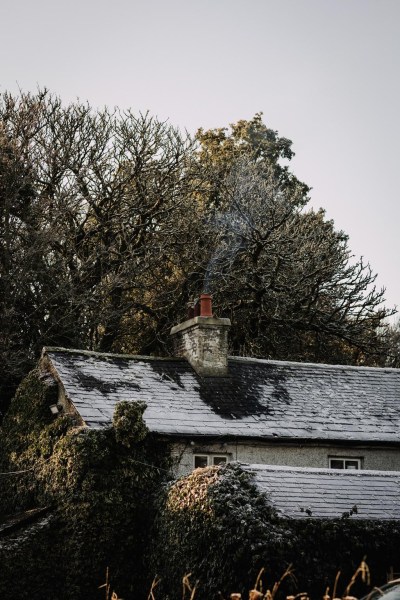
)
(210, 458)
(356, 459)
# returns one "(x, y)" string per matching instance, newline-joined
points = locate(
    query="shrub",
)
(216, 525)
(99, 486)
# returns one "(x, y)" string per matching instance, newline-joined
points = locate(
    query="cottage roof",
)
(328, 493)
(258, 399)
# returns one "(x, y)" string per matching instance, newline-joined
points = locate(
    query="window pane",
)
(336, 463)
(200, 461)
(219, 460)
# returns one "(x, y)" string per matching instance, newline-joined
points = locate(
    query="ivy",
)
(98, 485)
(128, 423)
(216, 525)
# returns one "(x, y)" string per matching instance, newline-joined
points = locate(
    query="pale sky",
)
(325, 73)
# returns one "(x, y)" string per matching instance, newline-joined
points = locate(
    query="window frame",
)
(357, 459)
(210, 459)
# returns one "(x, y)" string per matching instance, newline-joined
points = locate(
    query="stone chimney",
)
(203, 340)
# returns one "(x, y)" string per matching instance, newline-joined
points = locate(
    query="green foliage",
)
(98, 486)
(128, 424)
(321, 548)
(215, 525)
(29, 411)
(27, 437)
(220, 148)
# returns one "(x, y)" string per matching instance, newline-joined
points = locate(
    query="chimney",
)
(203, 339)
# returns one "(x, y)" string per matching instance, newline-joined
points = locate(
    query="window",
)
(219, 460)
(200, 460)
(206, 460)
(339, 462)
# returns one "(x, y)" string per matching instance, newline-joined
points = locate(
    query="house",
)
(214, 409)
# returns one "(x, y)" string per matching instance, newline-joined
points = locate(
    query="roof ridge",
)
(311, 364)
(245, 359)
(48, 349)
(320, 470)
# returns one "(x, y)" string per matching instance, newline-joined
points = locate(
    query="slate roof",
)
(259, 399)
(327, 493)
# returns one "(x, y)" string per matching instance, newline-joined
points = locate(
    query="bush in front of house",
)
(323, 547)
(98, 486)
(216, 525)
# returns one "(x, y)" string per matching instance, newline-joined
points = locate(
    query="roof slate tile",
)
(329, 493)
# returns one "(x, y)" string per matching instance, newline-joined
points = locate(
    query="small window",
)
(344, 463)
(200, 461)
(206, 460)
(219, 460)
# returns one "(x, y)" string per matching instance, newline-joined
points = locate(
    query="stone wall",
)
(203, 341)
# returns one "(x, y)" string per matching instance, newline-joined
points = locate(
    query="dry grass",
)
(110, 595)
(257, 593)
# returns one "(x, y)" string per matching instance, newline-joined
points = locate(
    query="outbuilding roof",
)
(258, 399)
(327, 493)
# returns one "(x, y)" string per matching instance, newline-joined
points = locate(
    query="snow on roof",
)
(258, 399)
(329, 493)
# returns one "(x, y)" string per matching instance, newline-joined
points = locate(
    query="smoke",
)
(229, 234)
(257, 206)
(232, 229)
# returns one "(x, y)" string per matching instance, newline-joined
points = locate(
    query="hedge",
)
(98, 485)
(216, 525)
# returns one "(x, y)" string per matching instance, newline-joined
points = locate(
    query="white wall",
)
(375, 458)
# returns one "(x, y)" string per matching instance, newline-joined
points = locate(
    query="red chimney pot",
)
(206, 305)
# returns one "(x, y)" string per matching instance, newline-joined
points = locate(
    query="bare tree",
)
(391, 335)
(104, 191)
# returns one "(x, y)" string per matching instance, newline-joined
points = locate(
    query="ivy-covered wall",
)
(99, 487)
(215, 525)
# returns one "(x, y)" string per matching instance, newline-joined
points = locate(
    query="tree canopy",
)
(111, 222)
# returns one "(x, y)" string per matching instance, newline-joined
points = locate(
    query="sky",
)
(324, 73)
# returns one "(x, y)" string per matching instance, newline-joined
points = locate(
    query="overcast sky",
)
(325, 73)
